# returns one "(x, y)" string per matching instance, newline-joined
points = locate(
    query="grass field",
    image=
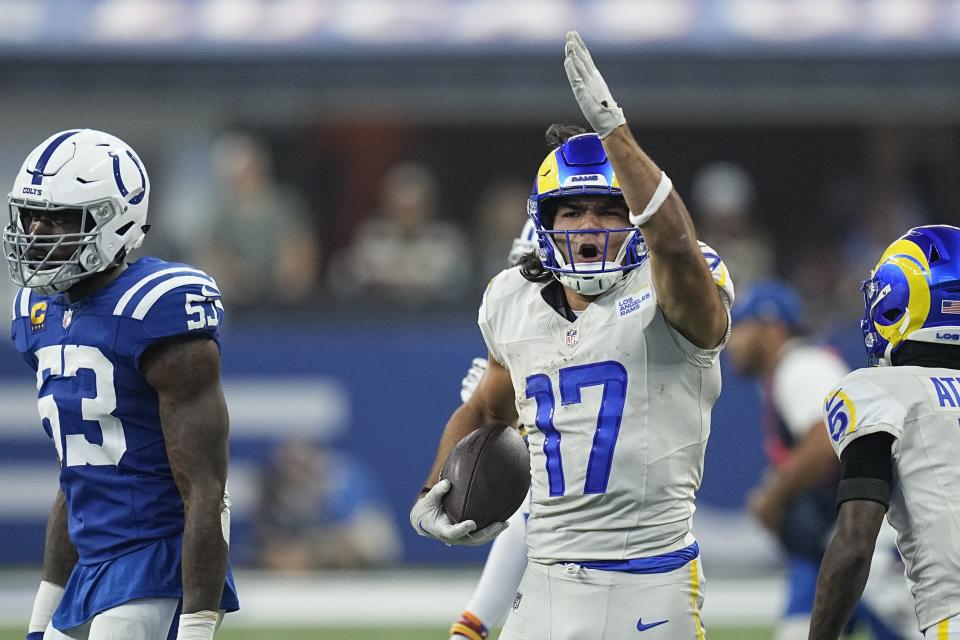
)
(717, 633)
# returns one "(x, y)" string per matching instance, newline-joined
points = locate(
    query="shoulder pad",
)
(137, 301)
(858, 406)
(718, 269)
(21, 304)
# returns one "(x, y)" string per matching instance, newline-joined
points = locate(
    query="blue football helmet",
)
(913, 293)
(580, 167)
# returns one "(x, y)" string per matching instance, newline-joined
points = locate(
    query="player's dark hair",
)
(927, 354)
(532, 268)
(557, 134)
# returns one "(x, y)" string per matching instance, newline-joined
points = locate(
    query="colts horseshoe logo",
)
(123, 189)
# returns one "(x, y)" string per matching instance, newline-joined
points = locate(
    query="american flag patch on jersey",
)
(950, 306)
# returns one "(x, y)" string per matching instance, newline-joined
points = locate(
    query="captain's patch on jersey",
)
(38, 316)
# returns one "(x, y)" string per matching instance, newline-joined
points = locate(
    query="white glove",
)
(593, 96)
(430, 520)
(469, 384)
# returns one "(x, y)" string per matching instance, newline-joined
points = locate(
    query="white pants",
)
(948, 629)
(887, 593)
(146, 619)
(568, 602)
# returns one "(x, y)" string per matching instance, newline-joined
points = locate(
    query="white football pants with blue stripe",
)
(570, 602)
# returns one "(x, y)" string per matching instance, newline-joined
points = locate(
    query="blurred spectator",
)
(404, 254)
(320, 509)
(499, 219)
(722, 197)
(866, 209)
(262, 247)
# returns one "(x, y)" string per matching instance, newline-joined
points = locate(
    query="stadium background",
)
(843, 115)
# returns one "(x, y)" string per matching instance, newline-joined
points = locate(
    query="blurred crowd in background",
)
(422, 232)
(353, 174)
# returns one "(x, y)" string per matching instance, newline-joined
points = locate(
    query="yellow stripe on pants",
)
(943, 630)
(695, 594)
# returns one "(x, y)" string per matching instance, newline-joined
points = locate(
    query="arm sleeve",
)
(804, 377)
(721, 277)
(867, 469)
(858, 407)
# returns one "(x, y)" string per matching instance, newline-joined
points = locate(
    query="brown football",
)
(490, 473)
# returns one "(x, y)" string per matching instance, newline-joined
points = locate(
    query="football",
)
(490, 474)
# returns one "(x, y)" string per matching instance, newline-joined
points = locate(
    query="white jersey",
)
(617, 409)
(920, 407)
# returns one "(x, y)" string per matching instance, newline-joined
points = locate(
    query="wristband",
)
(469, 626)
(197, 626)
(656, 201)
(47, 600)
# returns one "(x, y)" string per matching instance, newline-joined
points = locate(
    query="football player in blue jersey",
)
(128, 375)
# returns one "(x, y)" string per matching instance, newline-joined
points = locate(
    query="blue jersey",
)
(97, 407)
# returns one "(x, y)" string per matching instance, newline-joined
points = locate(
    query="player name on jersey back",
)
(920, 407)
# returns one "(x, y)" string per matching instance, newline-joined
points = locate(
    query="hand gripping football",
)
(490, 473)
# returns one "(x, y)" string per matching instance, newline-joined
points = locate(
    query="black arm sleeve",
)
(867, 470)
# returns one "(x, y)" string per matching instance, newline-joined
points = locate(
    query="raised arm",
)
(685, 289)
(193, 414)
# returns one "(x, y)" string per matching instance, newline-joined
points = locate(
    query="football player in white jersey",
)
(626, 330)
(896, 430)
(496, 589)
(795, 501)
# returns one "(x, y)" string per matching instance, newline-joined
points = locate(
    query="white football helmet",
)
(93, 173)
(523, 244)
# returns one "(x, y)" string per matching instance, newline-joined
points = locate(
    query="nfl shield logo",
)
(67, 318)
(573, 337)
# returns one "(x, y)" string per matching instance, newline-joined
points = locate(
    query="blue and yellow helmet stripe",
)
(913, 292)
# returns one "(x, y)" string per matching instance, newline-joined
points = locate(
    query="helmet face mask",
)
(90, 174)
(913, 293)
(579, 167)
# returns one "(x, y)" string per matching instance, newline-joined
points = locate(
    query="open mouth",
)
(588, 253)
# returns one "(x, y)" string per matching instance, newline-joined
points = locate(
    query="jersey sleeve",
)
(721, 277)
(858, 407)
(20, 300)
(180, 306)
(25, 316)
(486, 328)
(801, 381)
